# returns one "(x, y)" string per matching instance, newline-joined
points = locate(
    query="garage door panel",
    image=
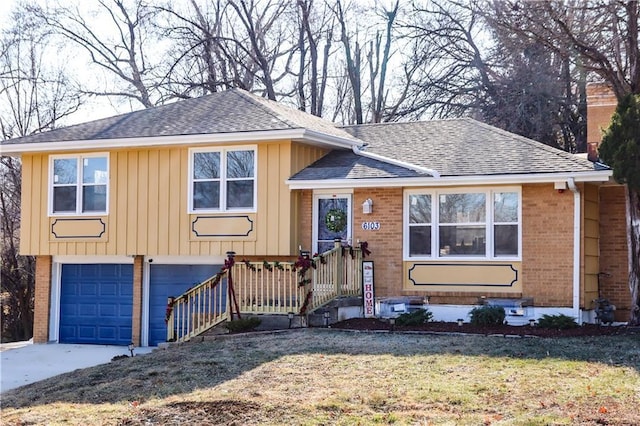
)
(89, 333)
(96, 303)
(86, 289)
(109, 289)
(108, 310)
(86, 310)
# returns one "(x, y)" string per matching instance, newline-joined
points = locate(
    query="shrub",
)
(487, 315)
(243, 324)
(558, 322)
(421, 316)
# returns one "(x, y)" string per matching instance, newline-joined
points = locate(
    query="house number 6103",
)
(371, 226)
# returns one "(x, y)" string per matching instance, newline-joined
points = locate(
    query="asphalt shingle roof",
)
(340, 164)
(458, 147)
(465, 147)
(230, 111)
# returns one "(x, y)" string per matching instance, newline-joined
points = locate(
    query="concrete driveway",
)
(22, 363)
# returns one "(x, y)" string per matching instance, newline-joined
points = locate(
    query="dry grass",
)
(329, 377)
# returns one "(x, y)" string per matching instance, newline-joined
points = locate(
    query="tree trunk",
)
(633, 235)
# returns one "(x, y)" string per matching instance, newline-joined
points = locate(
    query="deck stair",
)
(297, 289)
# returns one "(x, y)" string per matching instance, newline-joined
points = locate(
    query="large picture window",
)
(223, 179)
(79, 184)
(460, 224)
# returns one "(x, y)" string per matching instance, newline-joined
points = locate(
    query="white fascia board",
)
(328, 140)
(190, 140)
(595, 176)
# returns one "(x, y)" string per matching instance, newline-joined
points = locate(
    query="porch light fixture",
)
(326, 318)
(392, 323)
(560, 186)
(460, 322)
(367, 206)
(131, 347)
(290, 316)
(532, 322)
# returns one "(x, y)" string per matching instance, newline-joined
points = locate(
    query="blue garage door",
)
(170, 281)
(96, 303)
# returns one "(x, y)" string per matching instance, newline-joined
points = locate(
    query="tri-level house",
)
(125, 213)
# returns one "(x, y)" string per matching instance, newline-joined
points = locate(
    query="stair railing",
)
(198, 309)
(266, 288)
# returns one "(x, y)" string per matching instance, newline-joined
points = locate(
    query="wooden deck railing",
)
(199, 309)
(265, 288)
(338, 273)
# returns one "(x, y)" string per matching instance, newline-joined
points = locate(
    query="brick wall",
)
(547, 270)
(613, 249)
(547, 245)
(601, 103)
(42, 298)
(306, 218)
(386, 243)
(136, 317)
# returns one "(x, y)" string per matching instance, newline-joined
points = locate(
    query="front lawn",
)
(334, 377)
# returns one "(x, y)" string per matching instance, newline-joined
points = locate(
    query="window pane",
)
(240, 164)
(94, 170)
(206, 195)
(462, 208)
(462, 240)
(206, 165)
(64, 199)
(94, 198)
(420, 208)
(65, 171)
(505, 207)
(506, 240)
(240, 193)
(419, 241)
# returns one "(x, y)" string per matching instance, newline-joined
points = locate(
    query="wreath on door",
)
(335, 220)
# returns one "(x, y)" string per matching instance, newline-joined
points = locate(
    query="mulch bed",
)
(373, 324)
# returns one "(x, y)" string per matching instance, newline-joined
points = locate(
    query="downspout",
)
(576, 249)
(357, 151)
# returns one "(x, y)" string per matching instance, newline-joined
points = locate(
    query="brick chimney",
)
(601, 103)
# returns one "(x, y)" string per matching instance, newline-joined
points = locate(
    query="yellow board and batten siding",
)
(464, 276)
(590, 245)
(148, 214)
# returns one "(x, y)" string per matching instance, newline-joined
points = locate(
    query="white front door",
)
(331, 220)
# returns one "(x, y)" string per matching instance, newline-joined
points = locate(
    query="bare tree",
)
(222, 44)
(202, 59)
(469, 66)
(604, 35)
(123, 53)
(33, 98)
(313, 73)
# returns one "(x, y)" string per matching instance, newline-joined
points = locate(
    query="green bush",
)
(487, 315)
(243, 324)
(421, 316)
(558, 322)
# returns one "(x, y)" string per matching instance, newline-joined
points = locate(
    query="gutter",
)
(515, 179)
(358, 151)
(576, 249)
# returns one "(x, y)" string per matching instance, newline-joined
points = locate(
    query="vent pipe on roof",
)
(356, 149)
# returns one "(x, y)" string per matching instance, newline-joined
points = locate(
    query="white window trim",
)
(317, 195)
(223, 179)
(435, 223)
(78, 185)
